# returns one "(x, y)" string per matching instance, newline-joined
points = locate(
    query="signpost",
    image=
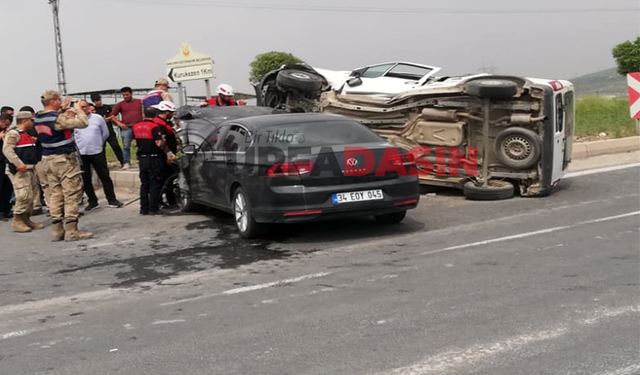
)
(633, 81)
(189, 65)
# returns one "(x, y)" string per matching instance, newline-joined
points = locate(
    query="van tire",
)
(518, 148)
(492, 88)
(497, 190)
(299, 80)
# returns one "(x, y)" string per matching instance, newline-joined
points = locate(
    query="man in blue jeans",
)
(130, 111)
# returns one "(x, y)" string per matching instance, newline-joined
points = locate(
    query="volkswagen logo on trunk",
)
(352, 163)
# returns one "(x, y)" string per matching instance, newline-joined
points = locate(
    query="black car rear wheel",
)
(393, 218)
(181, 189)
(243, 216)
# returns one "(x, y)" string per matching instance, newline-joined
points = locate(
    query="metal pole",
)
(485, 142)
(208, 84)
(62, 82)
(638, 126)
(180, 99)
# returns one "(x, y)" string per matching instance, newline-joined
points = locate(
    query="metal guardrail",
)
(112, 96)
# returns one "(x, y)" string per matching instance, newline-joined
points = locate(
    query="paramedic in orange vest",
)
(22, 155)
(224, 98)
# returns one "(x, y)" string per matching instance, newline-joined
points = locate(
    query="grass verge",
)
(596, 115)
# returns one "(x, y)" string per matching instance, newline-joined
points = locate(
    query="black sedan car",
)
(264, 167)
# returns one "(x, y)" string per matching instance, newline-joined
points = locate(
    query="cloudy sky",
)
(112, 43)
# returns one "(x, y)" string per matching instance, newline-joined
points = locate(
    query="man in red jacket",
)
(224, 98)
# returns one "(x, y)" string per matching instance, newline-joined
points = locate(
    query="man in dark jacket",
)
(6, 189)
(104, 110)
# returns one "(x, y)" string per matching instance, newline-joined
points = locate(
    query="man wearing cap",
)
(62, 163)
(158, 94)
(20, 150)
(41, 194)
(104, 110)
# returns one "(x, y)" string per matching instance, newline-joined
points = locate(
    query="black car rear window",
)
(316, 134)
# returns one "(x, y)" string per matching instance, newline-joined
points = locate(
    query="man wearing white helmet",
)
(166, 111)
(153, 155)
(224, 98)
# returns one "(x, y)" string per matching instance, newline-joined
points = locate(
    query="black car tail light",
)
(294, 169)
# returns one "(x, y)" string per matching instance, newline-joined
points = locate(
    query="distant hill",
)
(605, 83)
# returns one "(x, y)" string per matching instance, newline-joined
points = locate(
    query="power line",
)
(303, 8)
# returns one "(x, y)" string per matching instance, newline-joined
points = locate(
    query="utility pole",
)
(62, 82)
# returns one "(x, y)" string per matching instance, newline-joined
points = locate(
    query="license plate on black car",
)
(358, 196)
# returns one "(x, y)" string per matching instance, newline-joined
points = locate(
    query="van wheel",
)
(518, 147)
(496, 190)
(243, 217)
(299, 80)
(393, 218)
(491, 88)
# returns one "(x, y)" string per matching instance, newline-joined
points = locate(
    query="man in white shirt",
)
(90, 142)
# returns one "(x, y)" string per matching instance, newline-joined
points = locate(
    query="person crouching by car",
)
(152, 159)
(21, 153)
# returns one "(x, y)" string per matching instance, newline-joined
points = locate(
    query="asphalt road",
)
(524, 286)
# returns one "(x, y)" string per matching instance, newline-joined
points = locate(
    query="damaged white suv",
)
(491, 136)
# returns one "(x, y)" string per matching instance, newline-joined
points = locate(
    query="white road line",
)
(25, 332)
(456, 358)
(250, 288)
(610, 218)
(530, 234)
(168, 321)
(629, 370)
(601, 170)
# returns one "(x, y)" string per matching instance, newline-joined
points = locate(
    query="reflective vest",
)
(164, 124)
(143, 134)
(143, 130)
(153, 97)
(172, 141)
(214, 102)
(53, 142)
(26, 150)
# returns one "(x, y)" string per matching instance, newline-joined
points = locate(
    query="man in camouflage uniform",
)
(61, 161)
(20, 150)
(41, 195)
